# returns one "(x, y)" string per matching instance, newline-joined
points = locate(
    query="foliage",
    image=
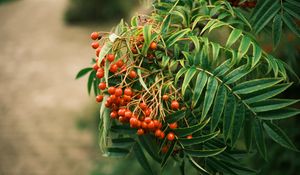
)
(228, 91)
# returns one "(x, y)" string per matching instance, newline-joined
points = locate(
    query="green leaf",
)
(187, 78)
(271, 104)
(248, 134)
(116, 152)
(183, 132)
(242, 17)
(204, 153)
(228, 115)
(199, 139)
(147, 36)
(167, 155)
(255, 85)
(166, 24)
(104, 51)
(176, 116)
(222, 69)
(122, 142)
(176, 36)
(279, 136)
(238, 122)
(211, 88)
(196, 42)
(292, 10)
(165, 61)
(267, 16)
(244, 47)
(208, 25)
(288, 20)
(151, 147)
(200, 84)
(233, 37)
(257, 54)
(217, 25)
(83, 72)
(140, 156)
(266, 93)
(219, 166)
(277, 30)
(142, 81)
(259, 138)
(197, 166)
(294, 2)
(236, 74)
(90, 81)
(278, 114)
(179, 74)
(122, 129)
(215, 50)
(219, 105)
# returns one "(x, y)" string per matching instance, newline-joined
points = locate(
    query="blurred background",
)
(48, 122)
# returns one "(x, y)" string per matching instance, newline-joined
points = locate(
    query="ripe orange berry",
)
(175, 105)
(110, 57)
(143, 106)
(173, 125)
(99, 98)
(114, 114)
(171, 136)
(94, 35)
(122, 119)
(121, 112)
(189, 137)
(113, 68)
(164, 149)
(162, 135)
(102, 85)
(140, 132)
(128, 91)
(95, 67)
(100, 74)
(156, 123)
(120, 63)
(98, 50)
(111, 90)
(151, 125)
(128, 114)
(95, 45)
(134, 51)
(147, 112)
(147, 119)
(132, 74)
(126, 98)
(153, 46)
(158, 133)
(165, 97)
(133, 122)
(118, 92)
(144, 125)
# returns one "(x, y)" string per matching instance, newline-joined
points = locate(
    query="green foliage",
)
(228, 88)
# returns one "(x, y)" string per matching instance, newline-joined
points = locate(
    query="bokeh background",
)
(48, 123)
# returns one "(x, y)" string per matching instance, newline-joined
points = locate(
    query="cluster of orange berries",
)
(138, 42)
(246, 4)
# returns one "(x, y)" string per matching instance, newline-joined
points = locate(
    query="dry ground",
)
(39, 99)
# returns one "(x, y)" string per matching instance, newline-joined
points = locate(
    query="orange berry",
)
(173, 125)
(102, 85)
(153, 46)
(140, 132)
(100, 74)
(95, 67)
(114, 114)
(189, 137)
(111, 90)
(171, 136)
(158, 133)
(99, 98)
(143, 106)
(120, 63)
(132, 74)
(165, 97)
(94, 35)
(113, 68)
(95, 45)
(128, 114)
(175, 105)
(110, 57)
(128, 91)
(118, 92)
(164, 149)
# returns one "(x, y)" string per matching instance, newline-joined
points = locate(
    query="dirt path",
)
(39, 99)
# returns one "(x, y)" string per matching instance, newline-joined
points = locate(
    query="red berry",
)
(147, 119)
(98, 50)
(128, 91)
(102, 85)
(111, 90)
(144, 125)
(156, 123)
(110, 57)
(122, 119)
(189, 137)
(132, 74)
(164, 149)
(113, 68)
(153, 46)
(121, 112)
(175, 105)
(158, 133)
(140, 132)
(113, 98)
(151, 125)
(126, 98)
(95, 45)
(143, 106)
(128, 114)
(95, 67)
(100, 74)
(173, 125)
(171, 136)
(120, 63)
(114, 114)
(94, 35)
(162, 135)
(133, 122)
(165, 97)
(99, 98)
(134, 51)
(147, 112)
(118, 92)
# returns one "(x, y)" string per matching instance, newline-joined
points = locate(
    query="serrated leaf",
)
(198, 19)
(183, 132)
(261, 8)
(176, 116)
(217, 25)
(211, 88)
(248, 134)
(187, 78)
(255, 85)
(271, 104)
(204, 153)
(294, 2)
(259, 138)
(165, 61)
(244, 47)
(167, 155)
(140, 156)
(83, 72)
(279, 136)
(122, 129)
(176, 36)
(198, 139)
(266, 93)
(228, 115)
(288, 20)
(233, 37)
(238, 123)
(219, 105)
(278, 114)
(277, 30)
(200, 84)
